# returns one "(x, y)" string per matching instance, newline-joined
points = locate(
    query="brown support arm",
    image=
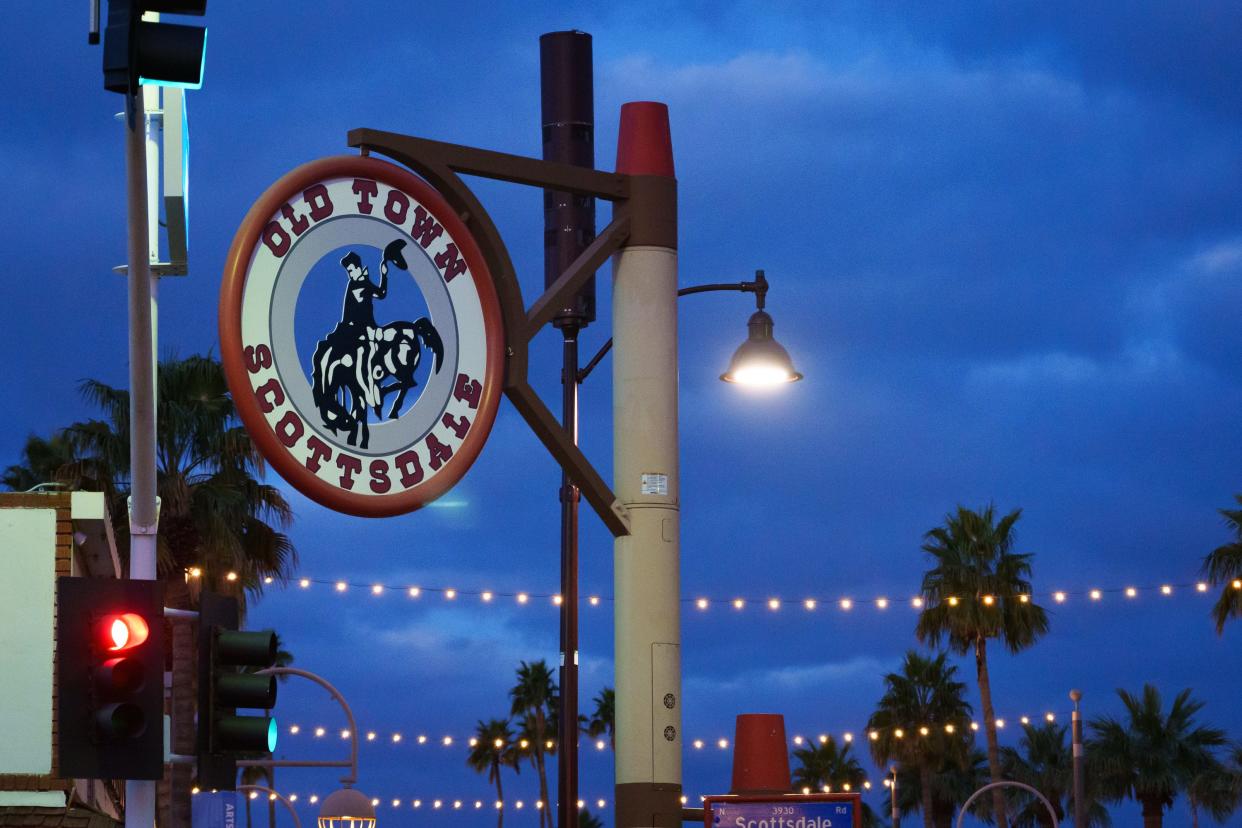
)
(440, 163)
(501, 166)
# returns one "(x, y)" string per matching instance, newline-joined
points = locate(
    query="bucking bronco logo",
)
(352, 364)
(372, 416)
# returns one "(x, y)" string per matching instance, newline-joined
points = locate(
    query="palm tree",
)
(827, 763)
(494, 751)
(43, 461)
(959, 774)
(990, 588)
(534, 698)
(1151, 757)
(604, 717)
(215, 514)
(919, 720)
(829, 766)
(1224, 566)
(1213, 789)
(1044, 761)
(586, 819)
(258, 776)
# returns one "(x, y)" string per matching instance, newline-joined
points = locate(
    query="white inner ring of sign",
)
(422, 413)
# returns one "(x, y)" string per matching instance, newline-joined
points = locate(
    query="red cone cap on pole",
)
(760, 756)
(644, 144)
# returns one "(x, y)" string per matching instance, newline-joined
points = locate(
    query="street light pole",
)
(1080, 806)
(895, 813)
(568, 113)
(143, 511)
(645, 464)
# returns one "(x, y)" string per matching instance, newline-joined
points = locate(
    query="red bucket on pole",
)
(760, 755)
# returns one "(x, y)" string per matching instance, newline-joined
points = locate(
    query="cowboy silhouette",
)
(351, 362)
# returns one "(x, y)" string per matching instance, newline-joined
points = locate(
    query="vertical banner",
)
(214, 810)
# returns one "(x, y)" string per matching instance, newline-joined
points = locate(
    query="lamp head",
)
(347, 808)
(760, 361)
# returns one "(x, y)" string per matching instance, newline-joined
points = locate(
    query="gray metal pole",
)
(896, 813)
(645, 466)
(1080, 805)
(143, 513)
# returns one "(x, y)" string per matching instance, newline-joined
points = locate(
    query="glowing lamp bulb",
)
(120, 634)
(125, 631)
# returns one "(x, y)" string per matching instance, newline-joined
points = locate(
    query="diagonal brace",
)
(577, 274)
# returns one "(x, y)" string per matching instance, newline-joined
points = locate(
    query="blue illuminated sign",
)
(783, 812)
(214, 810)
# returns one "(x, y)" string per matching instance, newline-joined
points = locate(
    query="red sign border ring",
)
(288, 187)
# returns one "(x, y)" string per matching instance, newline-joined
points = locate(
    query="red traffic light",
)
(122, 632)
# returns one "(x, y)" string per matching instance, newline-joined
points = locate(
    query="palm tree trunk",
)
(500, 798)
(546, 810)
(1194, 813)
(1153, 813)
(989, 727)
(925, 783)
(271, 803)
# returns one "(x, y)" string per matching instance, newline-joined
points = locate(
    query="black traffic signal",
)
(138, 51)
(110, 678)
(223, 736)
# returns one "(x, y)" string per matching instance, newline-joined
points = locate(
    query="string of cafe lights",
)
(703, 603)
(438, 803)
(458, 804)
(396, 737)
(448, 804)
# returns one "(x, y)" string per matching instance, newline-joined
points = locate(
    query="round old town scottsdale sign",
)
(361, 336)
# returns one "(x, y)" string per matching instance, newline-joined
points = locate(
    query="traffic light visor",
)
(124, 631)
(169, 54)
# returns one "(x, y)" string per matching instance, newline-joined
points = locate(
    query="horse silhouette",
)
(357, 365)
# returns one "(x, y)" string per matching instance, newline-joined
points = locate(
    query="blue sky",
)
(1004, 247)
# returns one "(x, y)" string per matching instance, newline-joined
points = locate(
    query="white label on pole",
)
(655, 484)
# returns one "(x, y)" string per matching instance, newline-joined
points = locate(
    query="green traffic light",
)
(272, 732)
(244, 734)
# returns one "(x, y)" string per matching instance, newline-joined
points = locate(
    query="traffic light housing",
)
(110, 678)
(223, 736)
(138, 51)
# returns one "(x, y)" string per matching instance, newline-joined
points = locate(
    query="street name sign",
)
(843, 810)
(361, 336)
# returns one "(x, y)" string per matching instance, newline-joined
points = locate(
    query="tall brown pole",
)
(1080, 793)
(568, 110)
(896, 813)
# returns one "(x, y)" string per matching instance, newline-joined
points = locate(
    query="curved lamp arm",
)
(759, 287)
(1007, 783)
(352, 764)
(293, 811)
